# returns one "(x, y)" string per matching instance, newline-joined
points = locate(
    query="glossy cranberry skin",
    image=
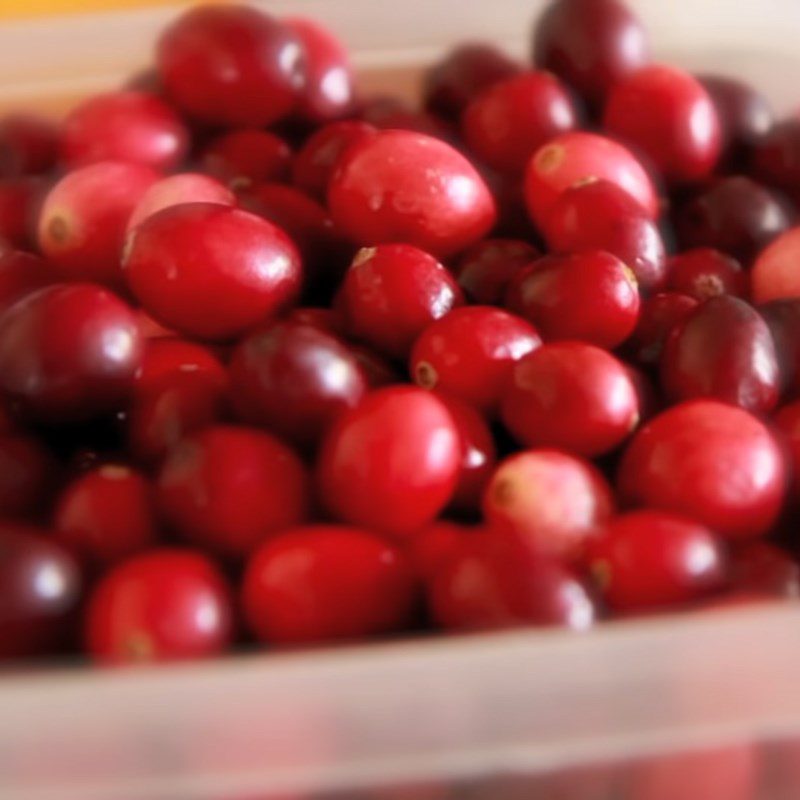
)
(22, 274)
(163, 605)
(231, 66)
(709, 461)
(722, 349)
(295, 380)
(163, 358)
(28, 145)
(485, 270)
(391, 293)
(590, 296)
(508, 122)
(407, 428)
(323, 583)
(131, 126)
(776, 160)
(402, 186)
(658, 315)
(209, 271)
(571, 396)
(735, 215)
(41, 591)
(229, 488)
(704, 273)
(243, 157)
(774, 275)
(26, 476)
(83, 238)
(762, 569)
(69, 351)
(20, 203)
(549, 500)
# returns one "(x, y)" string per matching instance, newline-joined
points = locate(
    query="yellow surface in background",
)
(33, 8)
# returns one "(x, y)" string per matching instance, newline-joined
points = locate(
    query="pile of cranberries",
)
(282, 364)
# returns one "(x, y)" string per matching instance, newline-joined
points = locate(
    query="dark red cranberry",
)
(26, 476)
(704, 273)
(401, 186)
(658, 315)
(165, 357)
(735, 215)
(391, 293)
(591, 44)
(783, 318)
(433, 546)
(229, 488)
(247, 156)
(69, 351)
(389, 112)
(550, 500)
(470, 353)
(762, 569)
(163, 605)
(462, 75)
(232, 66)
(411, 430)
(650, 559)
(572, 396)
(710, 461)
(210, 271)
(591, 296)
(508, 122)
(20, 275)
(327, 582)
(775, 275)
(324, 319)
(295, 380)
(28, 145)
(776, 160)
(41, 592)
(20, 204)
(485, 270)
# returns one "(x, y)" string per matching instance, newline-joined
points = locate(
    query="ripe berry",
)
(28, 145)
(22, 274)
(246, 156)
(783, 319)
(704, 273)
(433, 546)
(776, 157)
(163, 358)
(26, 476)
(658, 315)
(486, 269)
(774, 275)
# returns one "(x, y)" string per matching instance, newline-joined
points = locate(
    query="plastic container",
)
(701, 706)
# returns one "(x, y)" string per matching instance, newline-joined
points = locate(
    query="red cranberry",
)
(433, 546)
(774, 275)
(508, 122)
(209, 271)
(41, 591)
(229, 488)
(69, 351)
(150, 329)
(82, 237)
(106, 515)
(327, 582)
(705, 273)
(323, 319)
(591, 296)
(319, 156)
(26, 476)
(21, 274)
(735, 215)
(391, 293)
(330, 83)
(401, 186)
(20, 203)
(163, 605)
(231, 66)
(783, 318)
(471, 352)
(485, 270)
(658, 315)
(550, 500)
(407, 428)
(776, 160)
(462, 75)
(573, 396)
(165, 357)
(649, 559)
(713, 462)
(591, 44)
(762, 569)
(295, 380)
(246, 156)
(28, 145)
(124, 126)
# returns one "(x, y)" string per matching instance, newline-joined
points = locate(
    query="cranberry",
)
(69, 352)
(26, 476)
(488, 584)
(391, 293)
(21, 274)
(401, 186)
(573, 396)
(124, 126)
(591, 44)
(295, 380)
(713, 462)
(550, 500)
(485, 270)
(150, 329)
(330, 83)
(462, 75)
(776, 160)
(319, 156)
(229, 488)
(210, 271)
(735, 215)
(28, 145)
(591, 296)
(404, 427)
(762, 569)
(774, 275)
(165, 357)
(325, 583)
(41, 591)
(508, 122)
(82, 237)
(433, 546)
(324, 319)
(20, 204)
(163, 605)
(659, 314)
(106, 515)
(704, 273)
(387, 112)
(231, 66)
(783, 318)
(246, 156)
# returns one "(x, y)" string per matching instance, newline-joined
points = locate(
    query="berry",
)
(777, 155)
(28, 145)
(166, 357)
(26, 476)
(705, 273)
(658, 315)
(433, 546)
(243, 157)
(774, 275)
(486, 269)
(761, 569)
